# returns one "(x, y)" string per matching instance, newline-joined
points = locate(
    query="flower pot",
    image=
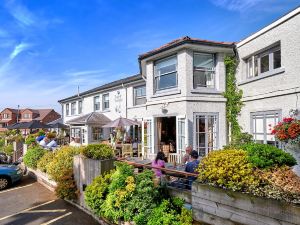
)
(294, 150)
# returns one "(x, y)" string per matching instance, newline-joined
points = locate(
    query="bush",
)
(32, 156)
(2, 143)
(8, 150)
(66, 186)
(40, 133)
(228, 169)
(96, 192)
(62, 162)
(51, 135)
(266, 156)
(44, 161)
(30, 140)
(98, 151)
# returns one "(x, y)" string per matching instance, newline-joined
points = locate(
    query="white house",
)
(178, 98)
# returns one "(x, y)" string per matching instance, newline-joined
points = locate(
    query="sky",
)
(48, 48)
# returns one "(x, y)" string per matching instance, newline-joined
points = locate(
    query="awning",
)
(93, 118)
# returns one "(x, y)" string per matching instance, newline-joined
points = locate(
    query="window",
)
(97, 133)
(166, 73)
(204, 70)
(96, 103)
(6, 116)
(79, 107)
(206, 133)
(264, 62)
(73, 108)
(26, 116)
(262, 124)
(105, 98)
(67, 109)
(139, 95)
(76, 134)
(181, 136)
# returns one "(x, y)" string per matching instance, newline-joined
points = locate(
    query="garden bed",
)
(218, 206)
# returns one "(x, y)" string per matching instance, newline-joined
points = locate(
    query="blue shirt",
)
(40, 138)
(192, 166)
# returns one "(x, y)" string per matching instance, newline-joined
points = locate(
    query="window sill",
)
(265, 75)
(105, 111)
(137, 106)
(206, 91)
(166, 93)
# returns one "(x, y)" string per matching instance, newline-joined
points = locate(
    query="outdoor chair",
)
(127, 150)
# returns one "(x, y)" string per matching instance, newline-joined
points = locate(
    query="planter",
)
(294, 150)
(85, 170)
(217, 206)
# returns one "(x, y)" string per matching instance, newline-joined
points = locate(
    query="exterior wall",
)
(278, 91)
(50, 117)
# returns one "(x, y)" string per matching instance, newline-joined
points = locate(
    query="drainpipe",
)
(125, 100)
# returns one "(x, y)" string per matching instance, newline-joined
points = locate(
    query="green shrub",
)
(96, 192)
(30, 140)
(228, 169)
(8, 149)
(66, 186)
(266, 156)
(32, 156)
(98, 151)
(51, 135)
(44, 161)
(62, 162)
(2, 143)
(40, 133)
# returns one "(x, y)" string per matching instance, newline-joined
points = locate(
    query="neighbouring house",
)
(11, 116)
(178, 97)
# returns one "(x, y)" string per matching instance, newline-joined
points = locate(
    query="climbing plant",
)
(234, 97)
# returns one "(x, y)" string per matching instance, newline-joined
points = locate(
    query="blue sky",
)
(49, 47)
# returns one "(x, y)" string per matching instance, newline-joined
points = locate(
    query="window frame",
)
(207, 149)
(73, 108)
(27, 116)
(6, 116)
(135, 97)
(265, 114)
(80, 107)
(96, 104)
(105, 101)
(213, 70)
(155, 76)
(270, 52)
(67, 109)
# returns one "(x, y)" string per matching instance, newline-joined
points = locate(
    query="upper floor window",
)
(73, 108)
(105, 98)
(264, 62)
(67, 109)
(204, 70)
(96, 103)
(139, 95)
(79, 107)
(26, 116)
(166, 73)
(5, 116)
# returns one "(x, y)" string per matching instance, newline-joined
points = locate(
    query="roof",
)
(185, 40)
(42, 113)
(10, 109)
(91, 118)
(59, 120)
(125, 80)
(271, 26)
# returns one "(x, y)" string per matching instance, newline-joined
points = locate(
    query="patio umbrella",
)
(57, 124)
(35, 124)
(121, 122)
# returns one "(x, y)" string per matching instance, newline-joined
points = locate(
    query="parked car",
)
(9, 174)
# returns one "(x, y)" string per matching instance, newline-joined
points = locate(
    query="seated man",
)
(187, 157)
(192, 166)
(52, 144)
(44, 142)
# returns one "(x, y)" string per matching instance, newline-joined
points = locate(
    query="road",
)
(30, 203)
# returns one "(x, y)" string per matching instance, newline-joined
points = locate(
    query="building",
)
(178, 94)
(11, 116)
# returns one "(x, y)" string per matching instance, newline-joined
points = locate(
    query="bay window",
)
(166, 73)
(204, 70)
(264, 62)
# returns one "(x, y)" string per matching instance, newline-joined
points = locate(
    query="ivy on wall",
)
(234, 97)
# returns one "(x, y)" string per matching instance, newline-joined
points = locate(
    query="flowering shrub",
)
(98, 151)
(32, 156)
(287, 130)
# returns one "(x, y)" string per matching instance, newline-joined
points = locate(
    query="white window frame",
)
(212, 70)
(270, 53)
(80, 107)
(150, 136)
(217, 132)
(96, 104)
(104, 102)
(73, 108)
(67, 109)
(6, 116)
(135, 97)
(183, 120)
(277, 114)
(158, 76)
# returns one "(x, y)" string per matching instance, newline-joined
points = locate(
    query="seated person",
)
(187, 157)
(73, 143)
(158, 162)
(192, 166)
(44, 142)
(52, 144)
(39, 138)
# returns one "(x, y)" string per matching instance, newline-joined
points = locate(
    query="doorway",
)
(166, 134)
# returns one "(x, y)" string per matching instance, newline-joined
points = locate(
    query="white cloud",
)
(85, 73)
(18, 49)
(236, 5)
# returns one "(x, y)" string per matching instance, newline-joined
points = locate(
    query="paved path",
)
(30, 203)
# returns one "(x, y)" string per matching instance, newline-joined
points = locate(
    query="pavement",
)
(30, 203)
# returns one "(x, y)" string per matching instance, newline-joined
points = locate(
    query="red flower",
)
(288, 120)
